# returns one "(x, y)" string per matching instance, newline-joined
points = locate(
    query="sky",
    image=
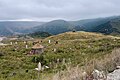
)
(47, 10)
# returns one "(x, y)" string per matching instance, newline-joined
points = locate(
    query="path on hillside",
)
(115, 75)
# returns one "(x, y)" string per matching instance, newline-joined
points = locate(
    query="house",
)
(37, 49)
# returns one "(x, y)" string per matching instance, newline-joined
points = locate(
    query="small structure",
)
(56, 42)
(11, 43)
(49, 41)
(73, 30)
(25, 42)
(26, 46)
(37, 49)
(54, 50)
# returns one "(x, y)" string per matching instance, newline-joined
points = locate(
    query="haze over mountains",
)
(108, 25)
(16, 27)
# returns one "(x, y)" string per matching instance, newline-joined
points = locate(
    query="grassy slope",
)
(75, 47)
(80, 45)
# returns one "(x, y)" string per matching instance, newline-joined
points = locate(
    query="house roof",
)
(37, 46)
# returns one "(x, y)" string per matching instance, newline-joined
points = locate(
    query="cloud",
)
(45, 10)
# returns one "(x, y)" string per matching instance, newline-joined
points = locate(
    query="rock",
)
(98, 75)
(118, 67)
(115, 75)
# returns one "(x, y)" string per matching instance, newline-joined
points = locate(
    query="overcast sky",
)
(46, 10)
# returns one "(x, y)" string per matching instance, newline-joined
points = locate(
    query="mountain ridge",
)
(107, 25)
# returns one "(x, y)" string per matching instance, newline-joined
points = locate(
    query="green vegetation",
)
(39, 34)
(73, 47)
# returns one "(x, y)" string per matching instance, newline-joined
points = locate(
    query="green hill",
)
(55, 27)
(74, 47)
(110, 27)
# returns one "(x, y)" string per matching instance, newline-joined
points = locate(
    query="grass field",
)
(72, 49)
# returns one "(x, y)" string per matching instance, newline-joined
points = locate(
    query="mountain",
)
(110, 27)
(16, 27)
(107, 25)
(5, 31)
(89, 25)
(55, 27)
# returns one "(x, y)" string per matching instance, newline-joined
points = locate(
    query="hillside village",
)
(82, 52)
